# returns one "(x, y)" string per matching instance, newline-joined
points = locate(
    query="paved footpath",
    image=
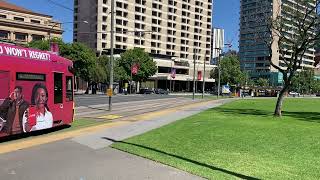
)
(85, 155)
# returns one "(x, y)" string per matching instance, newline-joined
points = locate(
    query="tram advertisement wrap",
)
(8, 50)
(24, 109)
(36, 90)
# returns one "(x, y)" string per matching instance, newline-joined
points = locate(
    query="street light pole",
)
(194, 75)
(56, 23)
(204, 75)
(49, 38)
(219, 73)
(111, 55)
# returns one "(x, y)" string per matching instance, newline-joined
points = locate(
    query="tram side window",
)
(69, 85)
(57, 88)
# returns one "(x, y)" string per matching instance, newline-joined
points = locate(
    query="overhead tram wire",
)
(60, 5)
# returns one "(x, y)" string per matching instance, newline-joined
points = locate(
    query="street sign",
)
(109, 92)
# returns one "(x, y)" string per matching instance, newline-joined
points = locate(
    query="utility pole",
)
(204, 75)
(218, 73)
(194, 74)
(111, 55)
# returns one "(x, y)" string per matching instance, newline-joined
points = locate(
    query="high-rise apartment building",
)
(254, 53)
(177, 29)
(21, 26)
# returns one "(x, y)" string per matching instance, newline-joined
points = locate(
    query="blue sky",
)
(225, 15)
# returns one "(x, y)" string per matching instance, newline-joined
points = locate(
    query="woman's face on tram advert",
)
(40, 98)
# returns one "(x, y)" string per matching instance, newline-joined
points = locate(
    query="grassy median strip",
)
(206, 97)
(82, 123)
(239, 140)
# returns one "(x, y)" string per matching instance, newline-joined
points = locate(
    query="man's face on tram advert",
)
(17, 93)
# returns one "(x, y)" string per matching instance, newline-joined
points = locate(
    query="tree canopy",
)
(84, 58)
(262, 82)
(147, 67)
(287, 39)
(230, 72)
(96, 69)
(302, 82)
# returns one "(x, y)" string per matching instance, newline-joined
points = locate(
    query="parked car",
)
(161, 91)
(146, 91)
(318, 94)
(294, 94)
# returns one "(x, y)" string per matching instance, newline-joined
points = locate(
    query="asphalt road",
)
(87, 100)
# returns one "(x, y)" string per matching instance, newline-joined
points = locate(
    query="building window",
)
(104, 9)
(18, 19)
(119, 4)
(37, 37)
(118, 21)
(35, 21)
(104, 27)
(21, 36)
(4, 34)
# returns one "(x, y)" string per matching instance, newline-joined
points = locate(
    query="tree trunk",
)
(277, 111)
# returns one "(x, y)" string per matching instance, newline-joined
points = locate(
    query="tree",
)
(118, 71)
(83, 57)
(302, 81)
(44, 44)
(291, 37)
(262, 82)
(315, 86)
(230, 72)
(212, 73)
(147, 67)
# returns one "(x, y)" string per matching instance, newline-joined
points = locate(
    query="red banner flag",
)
(173, 73)
(134, 69)
(199, 75)
(54, 47)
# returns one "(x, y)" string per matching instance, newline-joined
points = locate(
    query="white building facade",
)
(175, 32)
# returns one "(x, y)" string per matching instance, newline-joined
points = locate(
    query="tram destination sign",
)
(8, 50)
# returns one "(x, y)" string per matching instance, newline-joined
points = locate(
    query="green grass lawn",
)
(82, 123)
(239, 140)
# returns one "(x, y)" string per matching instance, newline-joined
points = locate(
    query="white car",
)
(294, 94)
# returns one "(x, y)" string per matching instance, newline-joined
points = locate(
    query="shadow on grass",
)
(303, 116)
(185, 159)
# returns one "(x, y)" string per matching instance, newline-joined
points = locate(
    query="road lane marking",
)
(44, 139)
(110, 117)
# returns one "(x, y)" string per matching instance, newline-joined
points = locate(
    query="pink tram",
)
(36, 90)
